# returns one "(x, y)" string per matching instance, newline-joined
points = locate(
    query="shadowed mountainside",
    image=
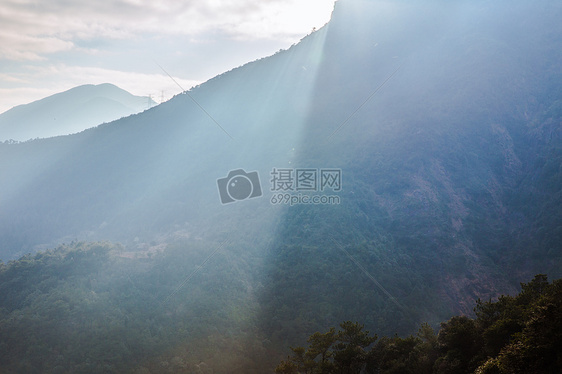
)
(443, 117)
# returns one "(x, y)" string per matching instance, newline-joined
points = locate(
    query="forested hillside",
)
(443, 120)
(95, 307)
(515, 334)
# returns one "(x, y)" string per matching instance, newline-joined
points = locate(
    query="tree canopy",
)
(514, 334)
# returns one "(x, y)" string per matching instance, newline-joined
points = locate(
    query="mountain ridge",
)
(70, 111)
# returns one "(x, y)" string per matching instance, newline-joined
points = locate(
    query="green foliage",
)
(519, 334)
(537, 349)
(349, 352)
(96, 308)
(331, 352)
(459, 342)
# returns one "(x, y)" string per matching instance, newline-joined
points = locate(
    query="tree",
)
(320, 345)
(330, 352)
(459, 343)
(350, 354)
(538, 349)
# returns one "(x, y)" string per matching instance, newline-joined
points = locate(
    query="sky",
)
(48, 47)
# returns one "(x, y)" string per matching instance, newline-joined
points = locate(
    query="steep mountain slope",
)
(444, 119)
(69, 112)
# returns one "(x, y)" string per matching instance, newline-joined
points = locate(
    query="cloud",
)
(51, 46)
(21, 47)
(61, 23)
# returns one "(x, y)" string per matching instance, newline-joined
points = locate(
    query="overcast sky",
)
(51, 46)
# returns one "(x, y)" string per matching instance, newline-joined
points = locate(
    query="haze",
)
(50, 47)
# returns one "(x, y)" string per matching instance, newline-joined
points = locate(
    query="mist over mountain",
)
(444, 119)
(70, 112)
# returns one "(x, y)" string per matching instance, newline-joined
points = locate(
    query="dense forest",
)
(96, 307)
(519, 334)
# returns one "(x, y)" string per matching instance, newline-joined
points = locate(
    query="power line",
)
(195, 101)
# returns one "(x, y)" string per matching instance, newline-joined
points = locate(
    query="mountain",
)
(442, 120)
(70, 111)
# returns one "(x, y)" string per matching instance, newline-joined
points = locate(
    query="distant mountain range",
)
(444, 118)
(70, 112)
